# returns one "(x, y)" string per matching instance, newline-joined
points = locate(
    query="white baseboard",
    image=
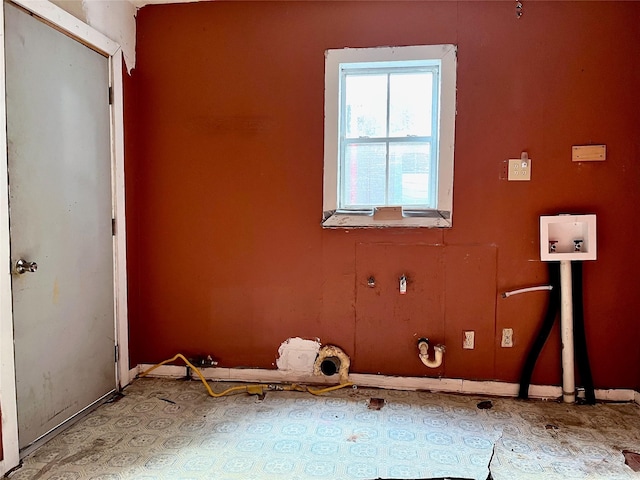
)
(447, 385)
(133, 373)
(616, 395)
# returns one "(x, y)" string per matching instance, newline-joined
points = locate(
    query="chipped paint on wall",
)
(298, 355)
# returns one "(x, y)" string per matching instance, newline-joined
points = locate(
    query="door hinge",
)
(113, 227)
(117, 354)
(110, 95)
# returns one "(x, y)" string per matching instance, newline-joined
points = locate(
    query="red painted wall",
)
(224, 162)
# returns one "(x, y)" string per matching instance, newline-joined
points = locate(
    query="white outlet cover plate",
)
(507, 338)
(519, 170)
(468, 339)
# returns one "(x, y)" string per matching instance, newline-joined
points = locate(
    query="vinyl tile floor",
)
(171, 429)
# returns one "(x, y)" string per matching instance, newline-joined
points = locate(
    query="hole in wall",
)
(330, 366)
(632, 459)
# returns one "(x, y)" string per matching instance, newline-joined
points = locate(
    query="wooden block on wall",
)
(387, 213)
(589, 153)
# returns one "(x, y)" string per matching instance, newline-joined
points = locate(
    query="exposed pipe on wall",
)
(566, 296)
(582, 355)
(543, 333)
(527, 290)
(566, 329)
(423, 348)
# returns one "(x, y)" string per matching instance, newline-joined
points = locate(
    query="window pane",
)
(365, 106)
(364, 175)
(409, 174)
(410, 104)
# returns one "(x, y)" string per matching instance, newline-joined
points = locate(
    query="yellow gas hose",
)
(258, 389)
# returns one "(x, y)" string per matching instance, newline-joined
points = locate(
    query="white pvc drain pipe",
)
(566, 329)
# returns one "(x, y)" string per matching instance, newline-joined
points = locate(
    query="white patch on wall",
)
(298, 355)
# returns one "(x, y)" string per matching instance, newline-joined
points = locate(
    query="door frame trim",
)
(78, 30)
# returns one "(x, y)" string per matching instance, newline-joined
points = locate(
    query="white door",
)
(58, 131)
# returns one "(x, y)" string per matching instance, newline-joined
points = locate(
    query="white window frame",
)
(441, 216)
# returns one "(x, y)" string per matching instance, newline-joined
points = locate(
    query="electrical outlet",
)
(468, 339)
(507, 337)
(519, 170)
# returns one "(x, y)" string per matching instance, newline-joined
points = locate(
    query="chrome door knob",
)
(22, 266)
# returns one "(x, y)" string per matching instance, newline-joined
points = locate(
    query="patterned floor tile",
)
(169, 430)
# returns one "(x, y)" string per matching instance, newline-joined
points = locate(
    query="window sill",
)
(345, 220)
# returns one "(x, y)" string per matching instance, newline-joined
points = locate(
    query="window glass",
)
(409, 173)
(410, 104)
(364, 175)
(365, 106)
(394, 106)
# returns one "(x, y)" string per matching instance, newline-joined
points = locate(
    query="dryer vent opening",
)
(331, 360)
(330, 366)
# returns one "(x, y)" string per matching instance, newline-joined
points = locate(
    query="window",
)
(389, 131)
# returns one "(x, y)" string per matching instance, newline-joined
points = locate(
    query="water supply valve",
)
(403, 284)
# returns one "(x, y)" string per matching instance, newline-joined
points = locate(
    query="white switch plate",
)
(519, 170)
(507, 338)
(468, 339)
